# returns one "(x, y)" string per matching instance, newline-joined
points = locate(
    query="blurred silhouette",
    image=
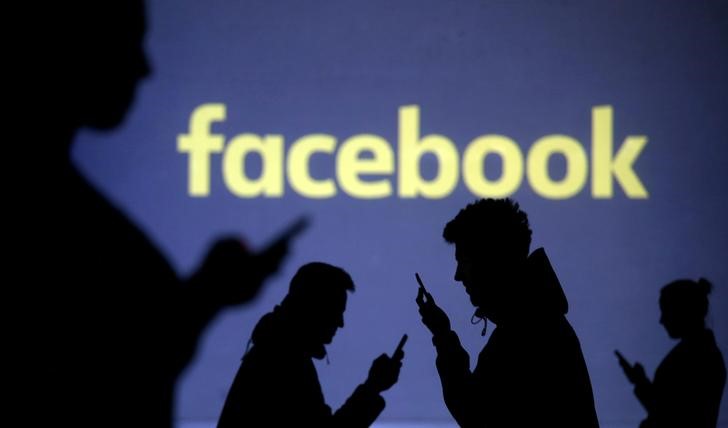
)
(107, 325)
(689, 382)
(531, 373)
(277, 384)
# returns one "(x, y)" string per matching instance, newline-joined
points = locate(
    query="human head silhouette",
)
(492, 239)
(684, 305)
(315, 302)
(96, 59)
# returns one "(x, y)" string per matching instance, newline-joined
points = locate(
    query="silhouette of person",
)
(107, 323)
(277, 384)
(532, 371)
(688, 383)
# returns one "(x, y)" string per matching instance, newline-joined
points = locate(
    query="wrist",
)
(370, 386)
(443, 337)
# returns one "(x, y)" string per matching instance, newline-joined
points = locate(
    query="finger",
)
(420, 299)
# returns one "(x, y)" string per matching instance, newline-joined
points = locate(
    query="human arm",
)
(229, 275)
(366, 403)
(642, 386)
(453, 362)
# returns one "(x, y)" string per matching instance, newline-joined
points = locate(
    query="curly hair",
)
(490, 224)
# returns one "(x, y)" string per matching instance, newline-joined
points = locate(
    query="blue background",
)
(524, 69)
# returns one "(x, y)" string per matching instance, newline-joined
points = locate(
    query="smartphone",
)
(419, 281)
(399, 352)
(295, 228)
(622, 361)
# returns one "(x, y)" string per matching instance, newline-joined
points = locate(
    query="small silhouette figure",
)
(531, 372)
(688, 384)
(277, 384)
(107, 323)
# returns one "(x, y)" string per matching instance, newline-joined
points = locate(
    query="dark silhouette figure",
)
(277, 384)
(531, 372)
(107, 324)
(688, 384)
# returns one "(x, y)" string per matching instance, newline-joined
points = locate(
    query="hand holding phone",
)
(434, 318)
(385, 369)
(635, 373)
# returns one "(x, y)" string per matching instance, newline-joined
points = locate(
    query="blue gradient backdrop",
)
(523, 69)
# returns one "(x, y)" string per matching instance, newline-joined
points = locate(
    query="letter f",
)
(199, 143)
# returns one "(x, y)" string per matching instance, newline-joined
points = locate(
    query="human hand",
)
(635, 373)
(384, 372)
(229, 274)
(434, 318)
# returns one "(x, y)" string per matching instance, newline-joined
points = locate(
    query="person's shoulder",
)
(712, 351)
(699, 345)
(275, 354)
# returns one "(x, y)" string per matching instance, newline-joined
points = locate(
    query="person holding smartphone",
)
(105, 324)
(531, 372)
(277, 384)
(688, 384)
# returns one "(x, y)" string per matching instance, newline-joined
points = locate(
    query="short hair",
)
(84, 27)
(491, 221)
(688, 297)
(315, 281)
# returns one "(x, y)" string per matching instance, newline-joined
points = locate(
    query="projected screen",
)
(380, 120)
